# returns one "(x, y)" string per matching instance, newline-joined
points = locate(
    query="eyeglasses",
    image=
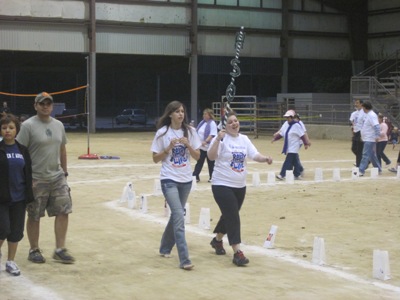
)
(45, 103)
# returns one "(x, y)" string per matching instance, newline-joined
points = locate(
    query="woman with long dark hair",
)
(174, 143)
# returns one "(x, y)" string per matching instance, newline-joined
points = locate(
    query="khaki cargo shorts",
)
(51, 196)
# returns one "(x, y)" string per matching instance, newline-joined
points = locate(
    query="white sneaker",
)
(12, 268)
(279, 177)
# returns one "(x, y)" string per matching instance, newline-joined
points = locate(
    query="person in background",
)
(5, 109)
(356, 119)
(394, 137)
(293, 134)
(230, 150)
(283, 129)
(298, 119)
(370, 132)
(394, 169)
(45, 139)
(207, 130)
(382, 141)
(15, 189)
(174, 143)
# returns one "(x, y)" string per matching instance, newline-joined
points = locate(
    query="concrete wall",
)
(329, 132)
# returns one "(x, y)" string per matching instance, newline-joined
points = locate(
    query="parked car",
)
(131, 116)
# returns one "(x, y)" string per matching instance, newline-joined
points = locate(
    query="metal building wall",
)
(140, 41)
(383, 28)
(130, 28)
(42, 37)
(162, 27)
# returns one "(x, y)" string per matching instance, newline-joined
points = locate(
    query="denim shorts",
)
(51, 196)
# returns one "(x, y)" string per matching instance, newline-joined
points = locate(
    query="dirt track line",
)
(29, 290)
(272, 253)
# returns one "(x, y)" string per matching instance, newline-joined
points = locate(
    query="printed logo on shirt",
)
(178, 157)
(237, 163)
(49, 133)
(14, 155)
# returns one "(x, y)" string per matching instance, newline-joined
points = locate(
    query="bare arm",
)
(207, 140)
(212, 152)
(276, 137)
(261, 158)
(306, 141)
(63, 158)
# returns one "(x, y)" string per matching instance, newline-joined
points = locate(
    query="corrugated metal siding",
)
(46, 9)
(142, 13)
(383, 47)
(384, 23)
(223, 44)
(254, 66)
(321, 23)
(382, 4)
(237, 18)
(149, 42)
(319, 48)
(42, 37)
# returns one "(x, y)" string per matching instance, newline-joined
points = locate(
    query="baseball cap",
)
(43, 96)
(290, 113)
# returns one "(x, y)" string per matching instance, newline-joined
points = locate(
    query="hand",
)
(174, 142)
(184, 141)
(269, 160)
(221, 134)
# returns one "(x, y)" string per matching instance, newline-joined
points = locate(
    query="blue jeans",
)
(176, 194)
(292, 161)
(380, 154)
(369, 155)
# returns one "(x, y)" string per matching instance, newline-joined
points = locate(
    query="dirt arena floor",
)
(116, 248)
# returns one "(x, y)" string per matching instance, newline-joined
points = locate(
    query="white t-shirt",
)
(369, 132)
(285, 126)
(176, 165)
(202, 129)
(294, 137)
(356, 118)
(230, 167)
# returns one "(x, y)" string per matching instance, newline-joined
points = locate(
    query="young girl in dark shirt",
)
(15, 189)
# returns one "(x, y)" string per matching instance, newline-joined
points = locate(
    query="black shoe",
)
(63, 257)
(36, 256)
(239, 259)
(218, 246)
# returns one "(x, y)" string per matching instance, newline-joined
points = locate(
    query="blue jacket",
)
(4, 179)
